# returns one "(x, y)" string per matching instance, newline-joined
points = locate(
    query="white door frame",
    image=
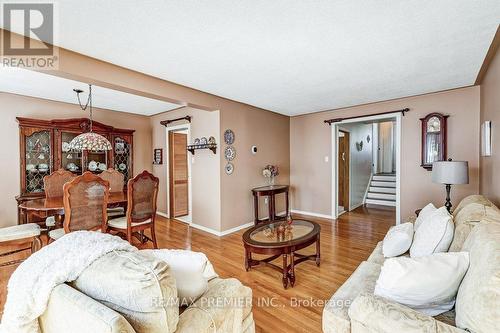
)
(178, 128)
(335, 145)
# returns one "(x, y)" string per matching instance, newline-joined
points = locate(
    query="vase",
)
(270, 181)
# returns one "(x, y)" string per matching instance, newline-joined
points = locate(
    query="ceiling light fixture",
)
(89, 140)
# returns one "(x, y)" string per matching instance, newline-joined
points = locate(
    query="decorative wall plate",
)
(122, 166)
(229, 168)
(229, 137)
(203, 141)
(196, 141)
(211, 140)
(229, 153)
(102, 166)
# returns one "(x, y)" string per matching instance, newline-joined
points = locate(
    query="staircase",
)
(382, 190)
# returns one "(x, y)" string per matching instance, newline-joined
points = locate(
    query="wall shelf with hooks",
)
(211, 146)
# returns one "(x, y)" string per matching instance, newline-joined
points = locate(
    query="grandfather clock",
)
(433, 139)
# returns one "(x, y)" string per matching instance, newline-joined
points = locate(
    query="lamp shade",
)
(90, 141)
(450, 172)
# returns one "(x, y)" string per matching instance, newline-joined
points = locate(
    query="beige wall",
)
(205, 166)
(236, 202)
(270, 132)
(490, 110)
(310, 142)
(13, 106)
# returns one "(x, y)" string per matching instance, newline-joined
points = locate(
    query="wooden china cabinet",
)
(44, 149)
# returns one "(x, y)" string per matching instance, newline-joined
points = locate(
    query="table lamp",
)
(450, 173)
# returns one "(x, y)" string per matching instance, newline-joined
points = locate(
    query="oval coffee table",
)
(263, 239)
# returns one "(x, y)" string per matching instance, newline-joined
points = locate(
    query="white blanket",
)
(63, 261)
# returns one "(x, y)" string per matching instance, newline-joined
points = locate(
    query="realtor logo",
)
(36, 22)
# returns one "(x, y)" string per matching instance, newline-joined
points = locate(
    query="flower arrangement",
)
(270, 172)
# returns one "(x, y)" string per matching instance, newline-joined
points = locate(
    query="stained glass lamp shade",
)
(90, 141)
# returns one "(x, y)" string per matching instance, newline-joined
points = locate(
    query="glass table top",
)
(270, 233)
(270, 188)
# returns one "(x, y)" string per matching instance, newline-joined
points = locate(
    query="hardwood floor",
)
(345, 243)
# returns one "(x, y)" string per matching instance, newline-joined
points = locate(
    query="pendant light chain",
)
(89, 141)
(90, 101)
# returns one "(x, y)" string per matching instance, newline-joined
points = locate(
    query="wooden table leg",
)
(292, 269)
(285, 271)
(318, 253)
(248, 259)
(256, 209)
(287, 203)
(272, 210)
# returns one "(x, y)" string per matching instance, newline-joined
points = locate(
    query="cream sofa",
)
(125, 292)
(354, 308)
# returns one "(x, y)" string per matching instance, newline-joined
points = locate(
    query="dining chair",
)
(116, 184)
(142, 192)
(85, 201)
(19, 238)
(53, 185)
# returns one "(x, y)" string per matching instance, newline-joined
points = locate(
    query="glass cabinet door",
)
(71, 160)
(122, 157)
(38, 160)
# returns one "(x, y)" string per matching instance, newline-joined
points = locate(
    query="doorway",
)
(179, 171)
(343, 175)
(363, 175)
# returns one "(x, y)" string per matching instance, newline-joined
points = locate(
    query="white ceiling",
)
(290, 56)
(35, 84)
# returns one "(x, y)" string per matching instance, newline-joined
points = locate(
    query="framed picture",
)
(158, 156)
(486, 138)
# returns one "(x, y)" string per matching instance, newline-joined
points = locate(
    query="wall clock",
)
(433, 139)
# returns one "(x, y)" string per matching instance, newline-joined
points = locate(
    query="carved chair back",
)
(115, 179)
(54, 182)
(142, 192)
(85, 203)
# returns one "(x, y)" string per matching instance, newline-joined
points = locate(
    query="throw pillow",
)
(424, 214)
(427, 284)
(433, 235)
(397, 240)
(191, 271)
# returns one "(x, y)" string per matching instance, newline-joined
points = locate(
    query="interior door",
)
(178, 174)
(343, 164)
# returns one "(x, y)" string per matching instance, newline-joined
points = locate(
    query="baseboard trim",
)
(238, 228)
(206, 229)
(311, 214)
(162, 214)
(356, 206)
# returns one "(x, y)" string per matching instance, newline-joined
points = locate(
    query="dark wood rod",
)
(166, 122)
(336, 120)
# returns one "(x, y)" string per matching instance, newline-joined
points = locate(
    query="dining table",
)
(43, 207)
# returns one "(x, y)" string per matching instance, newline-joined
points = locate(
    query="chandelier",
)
(90, 140)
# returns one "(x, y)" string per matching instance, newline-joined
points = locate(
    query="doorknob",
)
(343, 156)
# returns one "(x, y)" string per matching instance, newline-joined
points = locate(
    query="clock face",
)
(433, 125)
(229, 168)
(229, 137)
(229, 153)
